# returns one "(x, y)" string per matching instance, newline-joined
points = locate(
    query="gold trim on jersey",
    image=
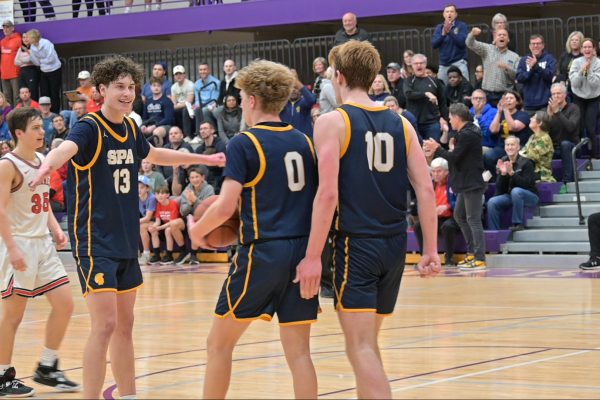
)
(262, 160)
(368, 108)
(130, 290)
(311, 146)
(96, 154)
(248, 271)
(274, 128)
(110, 130)
(254, 213)
(348, 134)
(407, 136)
(345, 280)
(307, 321)
(241, 229)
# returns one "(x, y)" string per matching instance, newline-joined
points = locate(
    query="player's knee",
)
(216, 344)
(12, 319)
(104, 327)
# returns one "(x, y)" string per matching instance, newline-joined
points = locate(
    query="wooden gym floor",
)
(502, 333)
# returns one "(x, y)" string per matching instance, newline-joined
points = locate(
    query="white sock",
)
(129, 396)
(3, 368)
(127, 9)
(48, 357)
(157, 7)
(147, 253)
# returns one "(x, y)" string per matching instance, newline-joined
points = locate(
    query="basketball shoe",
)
(593, 264)
(12, 387)
(55, 378)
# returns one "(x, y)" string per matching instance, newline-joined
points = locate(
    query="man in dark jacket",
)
(515, 186)
(535, 72)
(466, 167)
(350, 31)
(458, 89)
(449, 37)
(297, 110)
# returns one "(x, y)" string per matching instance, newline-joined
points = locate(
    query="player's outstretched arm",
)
(418, 173)
(54, 160)
(216, 214)
(162, 156)
(7, 175)
(329, 134)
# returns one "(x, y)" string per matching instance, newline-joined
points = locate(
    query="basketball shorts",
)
(103, 274)
(260, 284)
(367, 272)
(44, 270)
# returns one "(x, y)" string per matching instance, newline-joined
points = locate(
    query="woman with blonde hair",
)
(42, 53)
(573, 51)
(379, 90)
(5, 108)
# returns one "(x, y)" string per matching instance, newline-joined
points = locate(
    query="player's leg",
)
(360, 331)
(177, 227)
(121, 345)
(103, 313)
(13, 309)
(295, 340)
(222, 338)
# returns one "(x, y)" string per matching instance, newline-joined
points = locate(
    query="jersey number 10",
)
(380, 151)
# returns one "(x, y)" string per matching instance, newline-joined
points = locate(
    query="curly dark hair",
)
(113, 68)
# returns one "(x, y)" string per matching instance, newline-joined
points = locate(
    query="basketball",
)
(224, 235)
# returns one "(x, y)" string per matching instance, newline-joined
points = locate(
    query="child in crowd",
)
(167, 212)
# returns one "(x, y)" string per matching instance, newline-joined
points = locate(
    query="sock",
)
(146, 253)
(147, 7)
(156, 251)
(127, 9)
(157, 7)
(128, 396)
(48, 357)
(3, 368)
(169, 253)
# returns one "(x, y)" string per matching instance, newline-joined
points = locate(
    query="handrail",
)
(583, 142)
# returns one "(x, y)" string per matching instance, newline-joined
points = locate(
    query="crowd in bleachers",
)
(526, 110)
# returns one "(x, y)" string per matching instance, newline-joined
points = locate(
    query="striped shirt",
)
(495, 79)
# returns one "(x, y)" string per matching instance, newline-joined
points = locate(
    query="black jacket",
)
(226, 91)
(418, 103)
(466, 160)
(524, 177)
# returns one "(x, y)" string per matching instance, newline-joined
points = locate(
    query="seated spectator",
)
(226, 88)
(483, 115)
(78, 111)
(5, 108)
(85, 85)
(211, 144)
(158, 115)
(392, 103)
(297, 110)
(327, 99)
(60, 128)
(379, 89)
(6, 146)
(229, 120)
(155, 178)
(147, 206)
(349, 31)
(206, 92)
(564, 128)
(515, 186)
(176, 143)
(47, 117)
(25, 99)
(396, 82)
(478, 77)
(94, 104)
(167, 212)
(319, 68)
(29, 75)
(509, 120)
(539, 147)
(182, 96)
(159, 70)
(573, 51)
(445, 200)
(458, 89)
(593, 263)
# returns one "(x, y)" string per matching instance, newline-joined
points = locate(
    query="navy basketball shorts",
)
(260, 285)
(367, 272)
(103, 274)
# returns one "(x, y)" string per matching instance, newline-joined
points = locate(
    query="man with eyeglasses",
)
(535, 72)
(483, 116)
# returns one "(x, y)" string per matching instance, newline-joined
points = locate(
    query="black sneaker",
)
(12, 387)
(55, 378)
(326, 292)
(194, 259)
(592, 264)
(517, 228)
(182, 258)
(155, 259)
(168, 259)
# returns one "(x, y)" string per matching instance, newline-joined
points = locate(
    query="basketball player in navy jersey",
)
(368, 156)
(105, 150)
(271, 171)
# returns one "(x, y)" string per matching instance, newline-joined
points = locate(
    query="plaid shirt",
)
(495, 79)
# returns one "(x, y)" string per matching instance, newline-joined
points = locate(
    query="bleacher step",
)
(587, 186)
(551, 235)
(568, 262)
(538, 222)
(546, 247)
(572, 198)
(593, 174)
(596, 164)
(569, 210)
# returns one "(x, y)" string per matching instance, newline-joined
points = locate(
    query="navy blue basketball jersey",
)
(373, 178)
(102, 187)
(276, 164)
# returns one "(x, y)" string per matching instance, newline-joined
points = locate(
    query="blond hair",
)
(359, 62)
(386, 87)
(270, 82)
(568, 43)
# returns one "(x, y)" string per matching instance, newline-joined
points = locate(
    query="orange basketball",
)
(224, 235)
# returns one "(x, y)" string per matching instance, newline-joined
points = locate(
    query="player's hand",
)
(17, 259)
(43, 172)
(308, 273)
(216, 160)
(60, 239)
(430, 265)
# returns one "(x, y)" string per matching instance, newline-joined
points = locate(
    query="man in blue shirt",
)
(159, 70)
(536, 71)
(449, 37)
(207, 93)
(297, 110)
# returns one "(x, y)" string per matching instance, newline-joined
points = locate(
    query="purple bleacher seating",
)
(493, 241)
(557, 169)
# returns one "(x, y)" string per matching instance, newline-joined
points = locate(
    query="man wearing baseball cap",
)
(85, 85)
(182, 95)
(47, 117)
(10, 44)
(396, 82)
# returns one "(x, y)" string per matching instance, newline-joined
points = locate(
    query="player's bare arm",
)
(418, 173)
(329, 135)
(161, 156)
(216, 214)
(54, 160)
(8, 179)
(60, 239)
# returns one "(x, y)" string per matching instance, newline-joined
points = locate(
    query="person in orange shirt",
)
(85, 86)
(25, 99)
(95, 102)
(9, 71)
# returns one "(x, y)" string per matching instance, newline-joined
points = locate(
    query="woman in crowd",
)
(5, 108)
(327, 99)
(379, 89)
(539, 147)
(573, 51)
(6, 146)
(230, 119)
(42, 53)
(319, 67)
(407, 64)
(30, 73)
